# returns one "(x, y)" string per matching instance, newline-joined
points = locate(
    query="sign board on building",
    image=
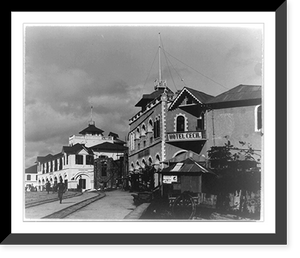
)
(184, 136)
(169, 179)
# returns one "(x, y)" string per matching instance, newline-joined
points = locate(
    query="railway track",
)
(73, 208)
(43, 201)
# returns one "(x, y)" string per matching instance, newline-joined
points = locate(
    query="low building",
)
(31, 178)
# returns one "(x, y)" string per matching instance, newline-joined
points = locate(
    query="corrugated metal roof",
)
(200, 96)
(189, 165)
(240, 92)
(203, 97)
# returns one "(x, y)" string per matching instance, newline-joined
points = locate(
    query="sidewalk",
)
(55, 209)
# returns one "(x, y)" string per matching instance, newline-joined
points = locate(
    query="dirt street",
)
(114, 206)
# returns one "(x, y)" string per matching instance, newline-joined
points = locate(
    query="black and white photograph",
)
(141, 122)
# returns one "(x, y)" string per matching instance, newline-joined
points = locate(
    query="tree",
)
(237, 170)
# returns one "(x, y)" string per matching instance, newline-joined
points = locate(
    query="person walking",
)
(48, 186)
(60, 189)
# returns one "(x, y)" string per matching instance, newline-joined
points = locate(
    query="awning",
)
(188, 166)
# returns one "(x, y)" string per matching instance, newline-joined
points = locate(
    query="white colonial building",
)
(75, 163)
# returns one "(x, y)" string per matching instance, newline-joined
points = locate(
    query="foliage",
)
(236, 168)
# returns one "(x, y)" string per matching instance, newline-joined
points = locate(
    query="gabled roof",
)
(91, 129)
(76, 148)
(149, 97)
(49, 157)
(109, 147)
(31, 170)
(199, 96)
(239, 93)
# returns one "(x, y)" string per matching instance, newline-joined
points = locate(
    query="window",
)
(55, 165)
(79, 159)
(180, 124)
(138, 133)
(89, 160)
(143, 131)
(157, 159)
(144, 163)
(138, 146)
(60, 163)
(157, 128)
(104, 168)
(28, 177)
(137, 164)
(258, 118)
(150, 126)
(200, 122)
(145, 143)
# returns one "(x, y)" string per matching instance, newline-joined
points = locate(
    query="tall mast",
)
(91, 121)
(159, 65)
(159, 84)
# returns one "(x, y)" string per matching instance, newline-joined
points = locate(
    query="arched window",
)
(144, 163)
(137, 166)
(150, 126)
(137, 133)
(200, 122)
(157, 127)
(157, 159)
(143, 131)
(258, 118)
(150, 161)
(180, 123)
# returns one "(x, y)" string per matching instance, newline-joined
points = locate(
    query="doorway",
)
(82, 183)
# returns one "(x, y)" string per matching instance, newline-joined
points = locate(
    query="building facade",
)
(75, 163)
(163, 129)
(31, 178)
(170, 124)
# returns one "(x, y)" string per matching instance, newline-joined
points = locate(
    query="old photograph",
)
(143, 122)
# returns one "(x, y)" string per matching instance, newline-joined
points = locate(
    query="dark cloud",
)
(68, 69)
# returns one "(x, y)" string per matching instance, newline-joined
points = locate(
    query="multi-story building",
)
(170, 124)
(164, 127)
(75, 163)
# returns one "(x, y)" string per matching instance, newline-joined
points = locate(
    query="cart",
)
(184, 185)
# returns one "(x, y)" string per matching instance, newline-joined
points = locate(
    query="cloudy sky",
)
(68, 69)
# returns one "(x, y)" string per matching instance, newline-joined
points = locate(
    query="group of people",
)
(60, 188)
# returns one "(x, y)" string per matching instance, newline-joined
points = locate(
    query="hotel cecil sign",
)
(184, 136)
